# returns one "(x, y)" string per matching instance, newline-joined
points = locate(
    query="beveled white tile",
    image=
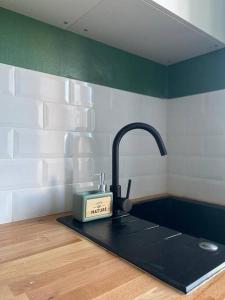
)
(198, 152)
(68, 117)
(213, 191)
(104, 119)
(142, 166)
(84, 144)
(194, 105)
(84, 186)
(6, 79)
(103, 164)
(194, 145)
(139, 144)
(193, 188)
(80, 93)
(176, 145)
(58, 171)
(177, 124)
(185, 145)
(5, 207)
(33, 203)
(145, 185)
(20, 112)
(176, 165)
(20, 173)
(177, 117)
(214, 146)
(6, 142)
(205, 167)
(102, 144)
(83, 169)
(123, 105)
(176, 185)
(153, 111)
(81, 143)
(41, 86)
(41, 143)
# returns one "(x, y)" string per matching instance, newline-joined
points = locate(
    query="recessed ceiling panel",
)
(140, 28)
(61, 13)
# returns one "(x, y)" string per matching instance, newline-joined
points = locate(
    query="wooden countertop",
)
(41, 259)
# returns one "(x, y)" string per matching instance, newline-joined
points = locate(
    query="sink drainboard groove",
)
(152, 227)
(173, 236)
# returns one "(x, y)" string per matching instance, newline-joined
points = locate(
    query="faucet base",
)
(116, 190)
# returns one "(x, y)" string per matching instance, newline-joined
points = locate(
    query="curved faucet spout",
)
(115, 187)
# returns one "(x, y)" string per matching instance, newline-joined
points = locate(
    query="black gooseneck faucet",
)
(120, 203)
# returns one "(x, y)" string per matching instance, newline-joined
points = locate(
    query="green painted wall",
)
(31, 44)
(197, 75)
(27, 43)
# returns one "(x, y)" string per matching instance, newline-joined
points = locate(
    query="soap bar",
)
(92, 205)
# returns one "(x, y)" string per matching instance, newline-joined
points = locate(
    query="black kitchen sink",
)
(165, 238)
(195, 218)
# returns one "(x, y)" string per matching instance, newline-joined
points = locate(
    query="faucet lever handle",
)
(128, 189)
(125, 203)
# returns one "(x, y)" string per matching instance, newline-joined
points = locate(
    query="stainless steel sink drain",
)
(208, 246)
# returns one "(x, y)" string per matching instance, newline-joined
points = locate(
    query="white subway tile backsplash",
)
(215, 110)
(194, 145)
(196, 164)
(19, 112)
(20, 173)
(84, 144)
(177, 124)
(58, 171)
(81, 143)
(185, 186)
(102, 144)
(154, 112)
(101, 97)
(135, 108)
(214, 146)
(83, 169)
(205, 167)
(194, 105)
(215, 103)
(176, 145)
(68, 117)
(145, 185)
(5, 207)
(186, 145)
(57, 133)
(29, 143)
(33, 203)
(142, 166)
(6, 79)
(102, 103)
(177, 164)
(194, 188)
(103, 164)
(196, 125)
(122, 108)
(213, 191)
(6, 143)
(176, 184)
(139, 144)
(80, 121)
(84, 186)
(40, 86)
(80, 93)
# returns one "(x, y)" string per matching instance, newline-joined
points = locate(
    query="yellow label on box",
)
(98, 207)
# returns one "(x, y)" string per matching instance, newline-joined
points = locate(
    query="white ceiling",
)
(136, 26)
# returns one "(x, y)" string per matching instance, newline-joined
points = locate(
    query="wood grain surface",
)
(41, 259)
